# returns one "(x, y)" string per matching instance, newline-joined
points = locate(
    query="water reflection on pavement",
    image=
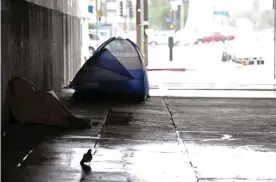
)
(161, 140)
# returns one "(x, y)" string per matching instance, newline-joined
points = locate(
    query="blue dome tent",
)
(116, 69)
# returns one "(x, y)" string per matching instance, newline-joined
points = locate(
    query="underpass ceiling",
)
(72, 7)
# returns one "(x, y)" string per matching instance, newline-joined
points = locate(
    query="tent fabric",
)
(117, 67)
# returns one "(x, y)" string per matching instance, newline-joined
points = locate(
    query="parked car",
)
(246, 52)
(94, 42)
(215, 37)
(185, 39)
(103, 34)
(160, 38)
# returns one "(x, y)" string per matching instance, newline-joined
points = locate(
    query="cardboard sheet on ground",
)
(29, 105)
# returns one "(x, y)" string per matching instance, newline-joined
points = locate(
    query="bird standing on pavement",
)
(87, 157)
(86, 170)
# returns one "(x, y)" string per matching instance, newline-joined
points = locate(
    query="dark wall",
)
(38, 43)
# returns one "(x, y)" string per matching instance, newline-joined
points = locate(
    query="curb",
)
(170, 69)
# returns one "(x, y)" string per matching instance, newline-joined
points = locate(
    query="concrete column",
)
(44, 41)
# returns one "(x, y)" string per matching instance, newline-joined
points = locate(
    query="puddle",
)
(118, 118)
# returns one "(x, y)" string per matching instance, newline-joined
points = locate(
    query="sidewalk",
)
(132, 143)
(160, 140)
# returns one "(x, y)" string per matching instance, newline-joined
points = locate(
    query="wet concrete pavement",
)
(160, 140)
(228, 139)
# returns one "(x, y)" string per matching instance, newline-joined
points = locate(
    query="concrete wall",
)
(40, 43)
(70, 7)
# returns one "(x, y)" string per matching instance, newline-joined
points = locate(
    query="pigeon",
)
(87, 157)
(86, 170)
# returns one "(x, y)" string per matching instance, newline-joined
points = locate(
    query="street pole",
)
(126, 18)
(97, 23)
(138, 21)
(125, 25)
(146, 26)
(274, 7)
(142, 26)
(182, 14)
(274, 40)
(175, 19)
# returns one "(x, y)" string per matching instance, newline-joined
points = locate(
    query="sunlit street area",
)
(205, 64)
(219, 44)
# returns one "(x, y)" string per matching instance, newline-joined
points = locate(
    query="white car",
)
(244, 52)
(185, 40)
(159, 38)
(94, 42)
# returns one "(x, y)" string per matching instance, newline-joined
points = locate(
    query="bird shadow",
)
(86, 170)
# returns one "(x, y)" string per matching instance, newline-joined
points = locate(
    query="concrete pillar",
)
(40, 42)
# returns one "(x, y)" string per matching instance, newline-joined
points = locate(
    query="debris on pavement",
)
(30, 105)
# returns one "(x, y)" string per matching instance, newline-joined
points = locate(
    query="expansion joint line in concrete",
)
(100, 132)
(179, 139)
